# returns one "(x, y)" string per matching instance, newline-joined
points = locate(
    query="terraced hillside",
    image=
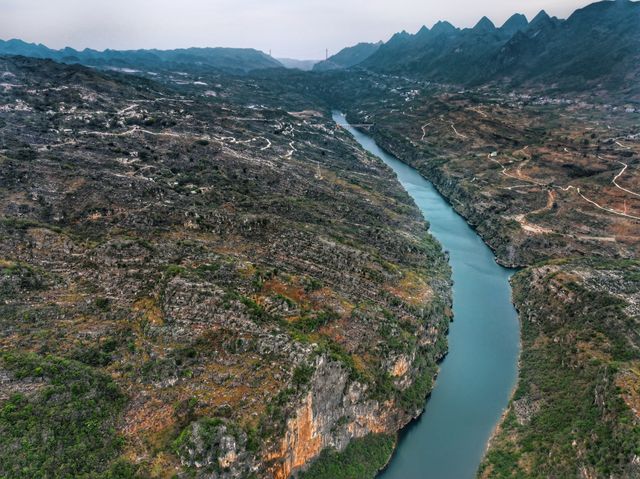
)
(193, 286)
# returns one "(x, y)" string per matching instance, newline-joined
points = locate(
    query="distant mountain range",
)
(348, 57)
(226, 59)
(596, 47)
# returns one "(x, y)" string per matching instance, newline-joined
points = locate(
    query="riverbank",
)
(575, 412)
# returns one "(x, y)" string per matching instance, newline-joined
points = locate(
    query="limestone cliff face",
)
(333, 412)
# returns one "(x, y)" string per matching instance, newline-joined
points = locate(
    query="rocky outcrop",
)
(217, 449)
(333, 412)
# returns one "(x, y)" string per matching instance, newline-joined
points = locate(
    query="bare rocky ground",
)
(192, 285)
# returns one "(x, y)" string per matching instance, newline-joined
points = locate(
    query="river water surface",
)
(477, 376)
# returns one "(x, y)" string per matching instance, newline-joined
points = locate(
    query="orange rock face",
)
(300, 444)
(307, 435)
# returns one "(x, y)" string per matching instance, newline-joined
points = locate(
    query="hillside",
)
(348, 57)
(192, 286)
(232, 60)
(575, 411)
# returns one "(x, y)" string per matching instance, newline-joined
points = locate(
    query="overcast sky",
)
(290, 28)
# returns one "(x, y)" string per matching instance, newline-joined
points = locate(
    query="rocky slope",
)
(194, 286)
(538, 177)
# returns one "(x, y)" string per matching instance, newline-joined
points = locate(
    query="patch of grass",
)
(314, 321)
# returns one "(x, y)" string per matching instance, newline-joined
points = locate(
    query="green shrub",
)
(362, 459)
(302, 374)
(65, 428)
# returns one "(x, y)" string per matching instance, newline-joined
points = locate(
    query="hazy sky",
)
(290, 28)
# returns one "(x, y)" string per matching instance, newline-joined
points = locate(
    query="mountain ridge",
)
(221, 58)
(596, 46)
(348, 57)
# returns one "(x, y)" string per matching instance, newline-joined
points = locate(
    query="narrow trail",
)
(267, 146)
(615, 180)
(124, 110)
(57, 145)
(477, 110)
(569, 188)
(424, 132)
(609, 210)
(505, 172)
(138, 129)
(532, 227)
(524, 177)
(457, 133)
(225, 140)
(291, 151)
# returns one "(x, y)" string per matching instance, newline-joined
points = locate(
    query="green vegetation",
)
(202, 442)
(61, 423)
(573, 351)
(302, 374)
(362, 459)
(189, 271)
(312, 322)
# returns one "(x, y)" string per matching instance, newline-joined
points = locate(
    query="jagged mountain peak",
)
(515, 23)
(443, 27)
(484, 25)
(402, 34)
(564, 52)
(400, 37)
(542, 16)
